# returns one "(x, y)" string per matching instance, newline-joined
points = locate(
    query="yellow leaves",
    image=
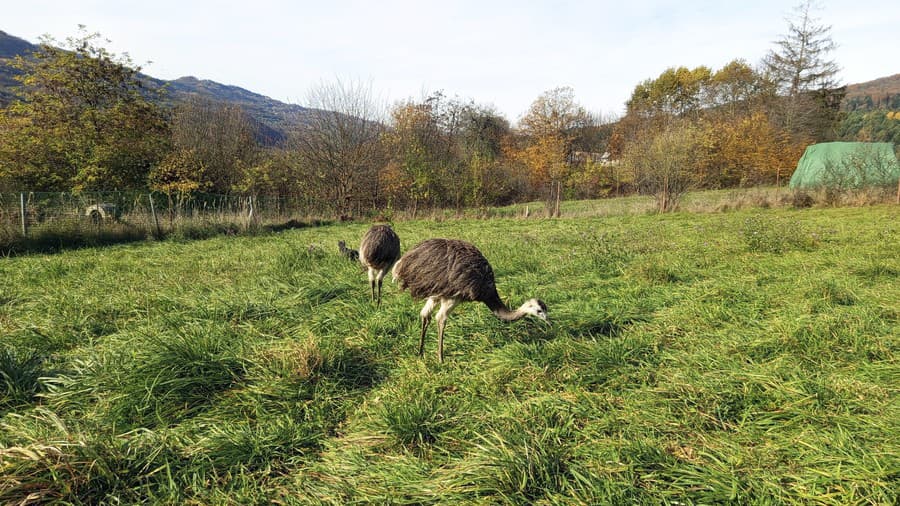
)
(745, 150)
(544, 159)
(675, 91)
(181, 171)
(553, 113)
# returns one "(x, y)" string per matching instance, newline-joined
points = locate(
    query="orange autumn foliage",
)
(746, 150)
(544, 160)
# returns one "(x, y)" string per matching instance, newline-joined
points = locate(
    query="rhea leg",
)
(379, 278)
(372, 281)
(426, 319)
(447, 305)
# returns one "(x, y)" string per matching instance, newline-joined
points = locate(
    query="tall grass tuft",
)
(20, 374)
(607, 251)
(764, 234)
(89, 468)
(179, 374)
(417, 417)
(522, 460)
(269, 445)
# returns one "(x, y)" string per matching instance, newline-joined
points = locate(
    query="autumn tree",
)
(657, 107)
(738, 90)
(805, 75)
(276, 174)
(550, 129)
(554, 112)
(745, 151)
(221, 137)
(678, 91)
(412, 177)
(339, 146)
(445, 152)
(450, 116)
(84, 121)
(483, 136)
(181, 172)
(545, 159)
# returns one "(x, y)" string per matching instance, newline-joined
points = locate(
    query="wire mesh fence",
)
(30, 214)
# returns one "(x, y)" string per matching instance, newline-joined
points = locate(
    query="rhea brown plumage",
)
(450, 271)
(378, 251)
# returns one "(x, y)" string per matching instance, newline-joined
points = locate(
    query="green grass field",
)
(747, 357)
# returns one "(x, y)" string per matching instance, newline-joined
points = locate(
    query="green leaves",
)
(84, 121)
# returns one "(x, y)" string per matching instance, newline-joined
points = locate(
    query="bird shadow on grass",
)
(53, 240)
(608, 326)
(527, 332)
(535, 332)
(352, 367)
(295, 224)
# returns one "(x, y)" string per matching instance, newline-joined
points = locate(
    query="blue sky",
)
(500, 53)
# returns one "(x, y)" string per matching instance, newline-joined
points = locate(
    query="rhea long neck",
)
(501, 311)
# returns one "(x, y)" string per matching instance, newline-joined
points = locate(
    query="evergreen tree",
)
(806, 76)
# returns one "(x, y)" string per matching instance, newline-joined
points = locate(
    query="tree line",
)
(87, 121)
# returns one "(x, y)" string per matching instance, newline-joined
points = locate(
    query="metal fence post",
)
(22, 212)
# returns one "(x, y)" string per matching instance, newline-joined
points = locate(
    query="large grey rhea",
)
(378, 251)
(450, 271)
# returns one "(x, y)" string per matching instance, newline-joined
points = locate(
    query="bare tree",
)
(222, 137)
(339, 145)
(664, 163)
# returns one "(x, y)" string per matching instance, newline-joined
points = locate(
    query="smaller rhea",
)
(450, 271)
(378, 251)
(351, 254)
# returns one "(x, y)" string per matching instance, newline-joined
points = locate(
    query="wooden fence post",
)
(153, 212)
(22, 212)
(558, 191)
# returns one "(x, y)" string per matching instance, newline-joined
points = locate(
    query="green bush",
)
(764, 234)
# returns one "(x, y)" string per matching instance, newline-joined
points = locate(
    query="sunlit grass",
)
(747, 357)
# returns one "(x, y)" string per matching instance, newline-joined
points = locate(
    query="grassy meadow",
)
(743, 357)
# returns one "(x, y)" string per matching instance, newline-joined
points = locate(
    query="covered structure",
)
(847, 165)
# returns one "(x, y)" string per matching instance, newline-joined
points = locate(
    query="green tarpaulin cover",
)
(847, 165)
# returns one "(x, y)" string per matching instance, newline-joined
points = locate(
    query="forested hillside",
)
(881, 93)
(872, 111)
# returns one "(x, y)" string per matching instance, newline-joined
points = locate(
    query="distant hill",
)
(881, 93)
(12, 46)
(9, 47)
(870, 111)
(274, 117)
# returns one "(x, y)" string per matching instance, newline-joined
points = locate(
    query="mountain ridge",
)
(273, 117)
